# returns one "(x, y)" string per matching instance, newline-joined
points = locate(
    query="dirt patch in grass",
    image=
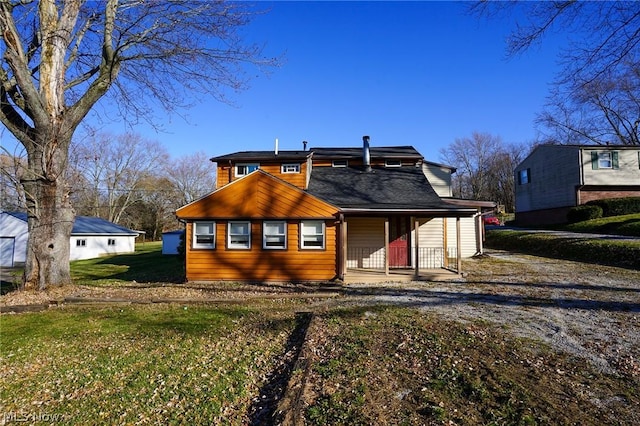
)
(164, 292)
(389, 365)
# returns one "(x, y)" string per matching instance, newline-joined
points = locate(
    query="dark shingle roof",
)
(88, 225)
(398, 188)
(263, 155)
(374, 152)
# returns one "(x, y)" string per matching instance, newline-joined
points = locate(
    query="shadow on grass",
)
(145, 267)
(263, 408)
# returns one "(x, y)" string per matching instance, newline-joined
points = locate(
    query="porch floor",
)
(397, 275)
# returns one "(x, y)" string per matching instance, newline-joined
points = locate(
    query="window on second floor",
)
(290, 168)
(111, 241)
(604, 160)
(524, 176)
(81, 243)
(339, 163)
(393, 163)
(246, 168)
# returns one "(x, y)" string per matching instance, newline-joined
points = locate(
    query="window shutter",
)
(528, 175)
(594, 160)
(614, 160)
(519, 177)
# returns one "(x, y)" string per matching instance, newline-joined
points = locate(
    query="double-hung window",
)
(274, 235)
(111, 242)
(245, 169)
(239, 235)
(290, 168)
(81, 243)
(312, 234)
(204, 235)
(604, 160)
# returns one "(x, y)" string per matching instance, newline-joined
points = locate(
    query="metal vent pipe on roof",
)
(366, 154)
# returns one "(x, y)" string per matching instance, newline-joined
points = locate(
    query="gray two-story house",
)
(554, 178)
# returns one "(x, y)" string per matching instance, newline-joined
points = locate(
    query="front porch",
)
(399, 248)
(355, 276)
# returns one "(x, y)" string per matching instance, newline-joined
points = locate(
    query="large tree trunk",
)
(50, 215)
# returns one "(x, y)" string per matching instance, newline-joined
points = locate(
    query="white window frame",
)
(393, 163)
(290, 168)
(280, 236)
(303, 235)
(245, 236)
(212, 234)
(246, 167)
(81, 242)
(605, 157)
(111, 242)
(340, 163)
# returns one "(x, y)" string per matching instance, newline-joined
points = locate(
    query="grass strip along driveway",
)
(522, 340)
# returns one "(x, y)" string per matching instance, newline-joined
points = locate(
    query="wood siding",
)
(257, 195)
(258, 264)
(226, 173)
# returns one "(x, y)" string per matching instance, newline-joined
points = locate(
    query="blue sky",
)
(404, 73)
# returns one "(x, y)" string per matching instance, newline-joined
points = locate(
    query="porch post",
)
(386, 246)
(479, 234)
(416, 228)
(458, 246)
(445, 242)
(344, 247)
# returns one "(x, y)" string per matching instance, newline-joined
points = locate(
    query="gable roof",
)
(258, 195)
(374, 152)
(263, 155)
(383, 190)
(86, 225)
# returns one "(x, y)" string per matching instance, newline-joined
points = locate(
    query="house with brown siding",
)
(324, 214)
(554, 178)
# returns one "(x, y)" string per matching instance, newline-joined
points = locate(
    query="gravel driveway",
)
(588, 310)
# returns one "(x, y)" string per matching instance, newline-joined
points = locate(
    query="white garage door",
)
(6, 251)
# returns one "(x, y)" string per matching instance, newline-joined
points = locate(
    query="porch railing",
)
(428, 258)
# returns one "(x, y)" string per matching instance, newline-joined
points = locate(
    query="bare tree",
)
(59, 58)
(12, 195)
(193, 176)
(596, 97)
(484, 168)
(116, 167)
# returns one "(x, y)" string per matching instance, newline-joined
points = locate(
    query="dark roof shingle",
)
(397, 188)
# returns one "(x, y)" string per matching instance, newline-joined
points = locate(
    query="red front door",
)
(399, 242)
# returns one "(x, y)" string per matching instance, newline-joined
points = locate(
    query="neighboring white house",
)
(171, 241)
(554, 178)
(91, 237)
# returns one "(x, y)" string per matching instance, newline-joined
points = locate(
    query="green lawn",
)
(616, 225)
(147, 264)
(150, 364)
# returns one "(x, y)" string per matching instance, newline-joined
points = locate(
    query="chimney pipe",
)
(366, 155)
(304, 145)
(276, 146)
